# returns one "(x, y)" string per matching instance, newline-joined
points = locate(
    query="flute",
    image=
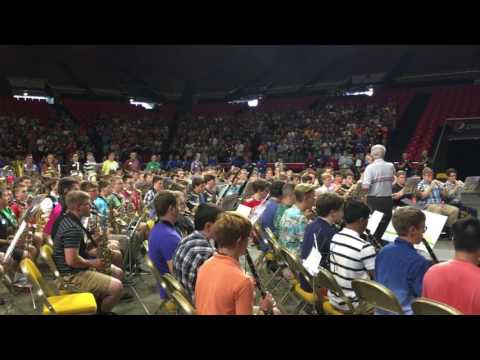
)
(257, 278)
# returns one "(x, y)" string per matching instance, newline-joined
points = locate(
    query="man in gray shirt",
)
(378, 179)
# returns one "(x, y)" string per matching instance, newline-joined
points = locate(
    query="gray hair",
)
(378, 151)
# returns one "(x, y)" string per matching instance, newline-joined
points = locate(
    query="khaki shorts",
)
(90, 281)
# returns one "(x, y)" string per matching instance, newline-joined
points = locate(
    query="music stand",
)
(434, 223)
(411, 185)
(472, 185)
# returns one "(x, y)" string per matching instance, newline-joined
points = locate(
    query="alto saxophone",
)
(103, 252)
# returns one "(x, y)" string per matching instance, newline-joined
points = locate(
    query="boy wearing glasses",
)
(398, 266)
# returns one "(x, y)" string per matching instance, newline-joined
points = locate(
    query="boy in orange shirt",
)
(223, 287)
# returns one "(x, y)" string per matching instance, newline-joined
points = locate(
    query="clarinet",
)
(257, 279)
(430, 251)
(373, 240)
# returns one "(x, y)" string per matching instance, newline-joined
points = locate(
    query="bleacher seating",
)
(32, 109)
(445, 102)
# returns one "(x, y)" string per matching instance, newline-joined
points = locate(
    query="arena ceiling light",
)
(144, 104)
(253, 103)
(25, 96)
(368, 92)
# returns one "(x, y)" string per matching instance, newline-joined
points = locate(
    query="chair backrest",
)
(32, 272)
(296, 266)
(156, 274)
(422, 306)
(325, 279)
(46, 252)
(377, 295)
(183, 303)
(175, 285)
(273, 243)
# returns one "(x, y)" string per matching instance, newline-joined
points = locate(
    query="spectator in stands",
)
(110, 165)
(457, 282)
(398, 266)
(153, 165)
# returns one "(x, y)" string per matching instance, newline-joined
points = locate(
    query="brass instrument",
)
(341, 191)
(18, 167)
(356, 192)
(103, 252)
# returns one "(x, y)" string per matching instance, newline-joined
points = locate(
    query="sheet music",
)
(472, 184)
(434, 223)
(312, 262)
(244, 210)
(374, 221)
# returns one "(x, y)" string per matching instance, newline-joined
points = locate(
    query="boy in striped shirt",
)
(351, 257)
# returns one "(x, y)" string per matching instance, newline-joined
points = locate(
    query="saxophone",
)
(103, 252)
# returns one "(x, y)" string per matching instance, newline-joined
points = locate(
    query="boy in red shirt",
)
(457, 282)
(260, 188)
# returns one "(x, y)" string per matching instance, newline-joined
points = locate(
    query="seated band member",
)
(196, 196)
(92, 223)
(8, 227)
(48, 204)
(70, 256)
(65, 185)
(457, 282)
(454, 190)
(329, 211)
(184, 224)
(115, 199)
(101, 203)
(267, 218)
(430, 194)
(163, 238)
(294, 220)
(398, 192)
(210, 189)
(19, 203)
(222, 286)
(260, 189)
(196, 248)
(287, 200)
(398, 265)
(328, 185)
(351, 257)
(157, 186)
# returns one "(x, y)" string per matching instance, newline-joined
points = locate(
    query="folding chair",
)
(67, 304)
(297, 268)
(174, 285)
(325, 279)
(278, 256)
(377, 295)
(423, 306)
(183, 304)
(169, 305)
(46, 253)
